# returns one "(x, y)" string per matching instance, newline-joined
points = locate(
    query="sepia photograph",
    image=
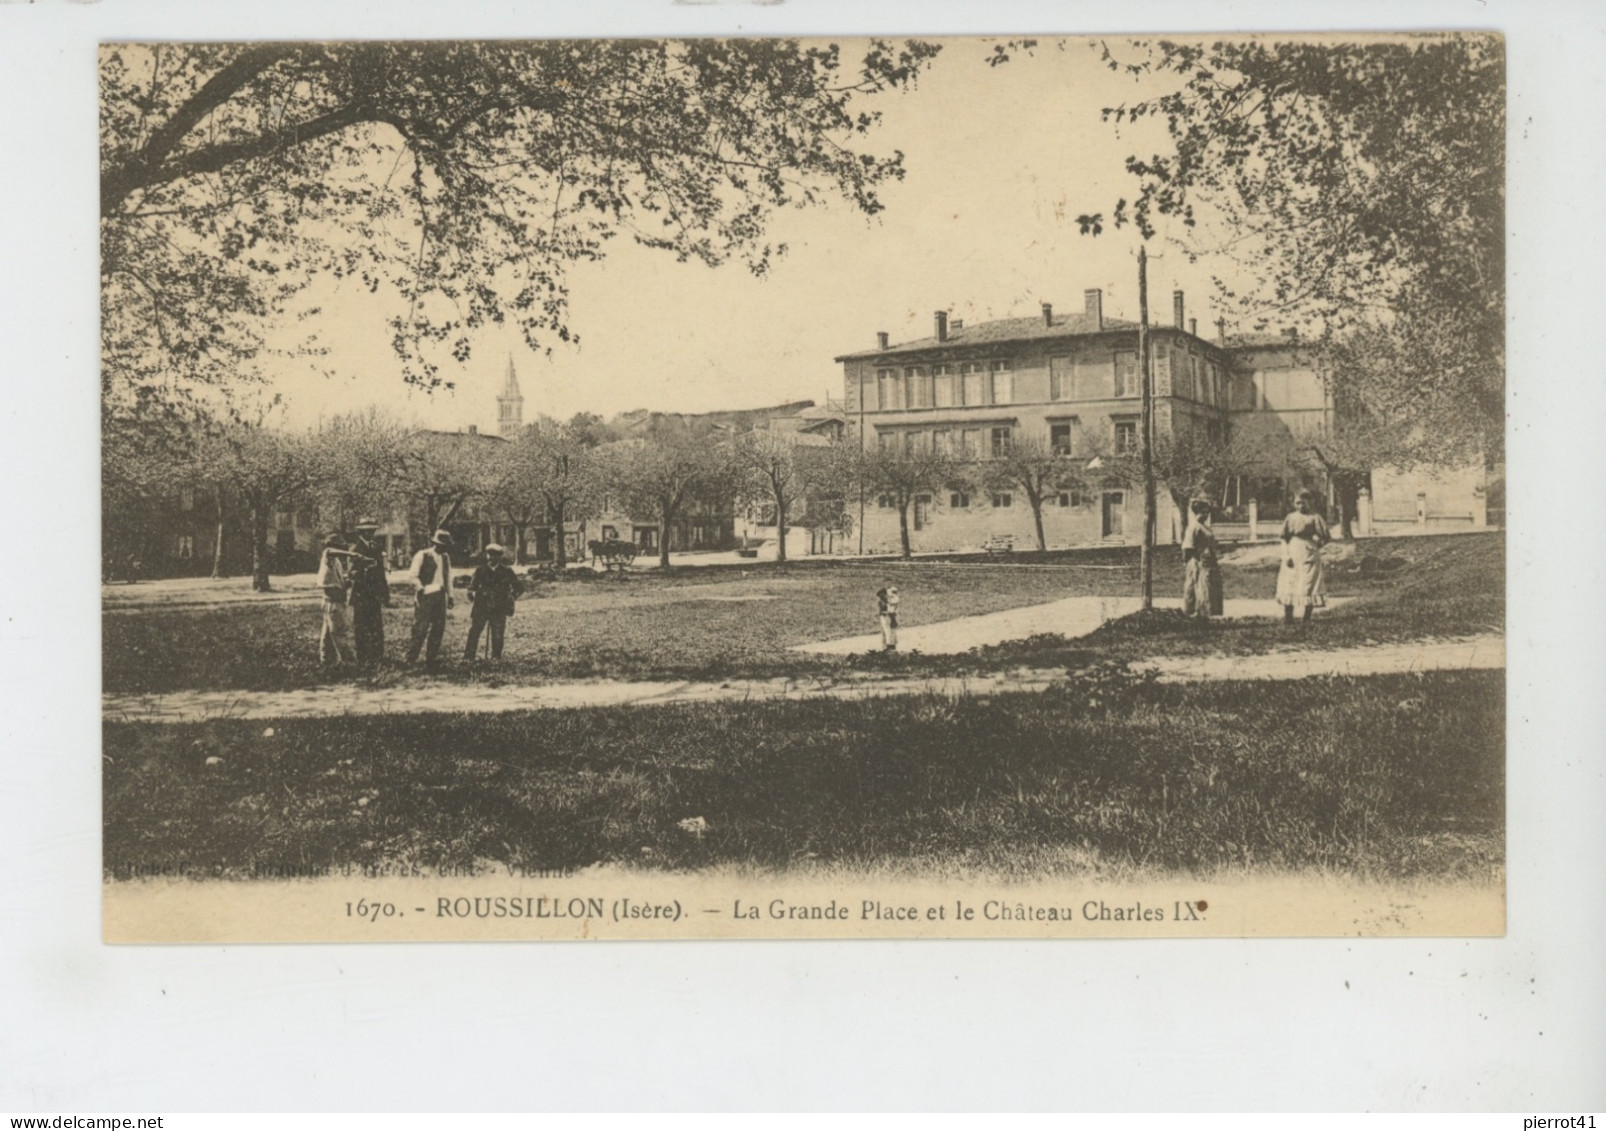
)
(803, 488)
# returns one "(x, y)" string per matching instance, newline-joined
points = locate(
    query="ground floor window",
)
(186, 546)
(1003, 499)
(922, 511)
(959, 500)
(647, 537)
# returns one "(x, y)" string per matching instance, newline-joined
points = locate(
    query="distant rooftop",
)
(739, 419)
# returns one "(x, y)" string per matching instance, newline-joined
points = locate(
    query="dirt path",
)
(1479, 652)
(1070, 617)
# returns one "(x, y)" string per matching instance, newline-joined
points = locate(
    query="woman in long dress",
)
(1201, 576)
(1299, 584)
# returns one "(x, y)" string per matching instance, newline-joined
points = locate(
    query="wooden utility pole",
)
(1146, 560)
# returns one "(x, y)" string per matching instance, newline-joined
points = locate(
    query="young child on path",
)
(887, 613)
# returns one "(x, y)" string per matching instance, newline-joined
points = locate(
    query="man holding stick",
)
(494, 591)
(334, 580)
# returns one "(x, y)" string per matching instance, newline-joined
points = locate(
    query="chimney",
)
(942, 325)
(1221, 331)
(1176, 308)
(1048, 314)
(1095, 307)
(473, 429)
(881, 340)
(1193, 327)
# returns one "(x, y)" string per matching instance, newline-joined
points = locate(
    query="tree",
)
(1195, 462)
(269, 470)
(145, 456)
(674, 466)
(1039, 471)
(462, 176)
(364, 458)
(549, 475)
(903, 475)
(777, 467)
(441, 472)
(1355, 187)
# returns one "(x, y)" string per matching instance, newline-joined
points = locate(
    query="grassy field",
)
(720, 622)
(1109, 776)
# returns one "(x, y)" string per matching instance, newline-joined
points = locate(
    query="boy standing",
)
(887, 611)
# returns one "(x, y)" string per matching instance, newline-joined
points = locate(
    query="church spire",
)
(510, 404)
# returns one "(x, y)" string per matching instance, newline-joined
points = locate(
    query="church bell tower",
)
(510, 405)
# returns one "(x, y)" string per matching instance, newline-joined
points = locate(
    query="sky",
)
(1000, 161)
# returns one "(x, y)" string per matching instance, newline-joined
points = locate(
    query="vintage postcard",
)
(722, 488)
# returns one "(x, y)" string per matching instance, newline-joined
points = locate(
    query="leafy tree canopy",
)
(1356, 188)
(463, 176)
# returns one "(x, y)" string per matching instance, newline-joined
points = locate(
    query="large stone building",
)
(1070, 383)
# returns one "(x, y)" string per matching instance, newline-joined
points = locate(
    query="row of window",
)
(972, 383)
(1001, 500)
(946, 386)
(957, 443)
(994, 443)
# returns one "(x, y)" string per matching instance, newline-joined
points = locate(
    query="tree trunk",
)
(780, 528)
(259, 547)
(560, 552)
(668, 514)
(903, 527)
(1037, 518)
(1184, 504)
(217, 545)
(518, 542)
(1347, 488)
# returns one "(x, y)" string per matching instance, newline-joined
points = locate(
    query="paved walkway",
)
(1480, 652)
(1070, 618)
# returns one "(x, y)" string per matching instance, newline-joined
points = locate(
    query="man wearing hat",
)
(333, 579)
(493, 590)
(432, 574)
(370, 595)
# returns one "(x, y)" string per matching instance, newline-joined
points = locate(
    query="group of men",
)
(354, 576)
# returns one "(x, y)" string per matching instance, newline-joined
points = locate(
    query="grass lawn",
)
(719, 622)
(1378, 777)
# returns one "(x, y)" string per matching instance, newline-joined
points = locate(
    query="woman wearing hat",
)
(334, 576)
(1201, 576)
(493, 591)
(1299, 583)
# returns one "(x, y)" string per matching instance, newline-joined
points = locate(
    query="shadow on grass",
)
(1392, 776)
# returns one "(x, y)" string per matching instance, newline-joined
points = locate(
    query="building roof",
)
(1003, 330)
(1266, 340)
(472, 435)
(739, 419)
